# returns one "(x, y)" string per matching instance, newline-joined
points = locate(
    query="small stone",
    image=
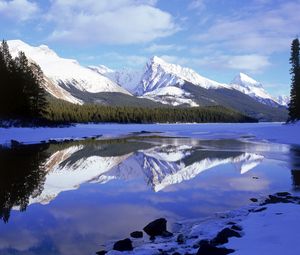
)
(137, 234)
(123, 245)
(231, 223)
(180, 239)
(283, 194)
(254, 199)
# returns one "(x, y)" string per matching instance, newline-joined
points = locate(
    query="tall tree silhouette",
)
(22, 94)
(294, 106)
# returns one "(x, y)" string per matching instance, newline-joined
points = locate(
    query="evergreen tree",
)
(22, 95)
(294, 106)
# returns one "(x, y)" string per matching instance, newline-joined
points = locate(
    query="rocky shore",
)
(268, 226)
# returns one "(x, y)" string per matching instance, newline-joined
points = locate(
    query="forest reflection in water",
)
(118, 185)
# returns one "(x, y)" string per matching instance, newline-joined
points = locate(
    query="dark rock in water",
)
(123, 245)
(208, 249)
(259, 209)
(283, 194)
(156, 228)
(223, 235)
(137, 234)
(255, 178)
(101, 252)
(176, 253)
(145, 132)
(274, 200)
(237, 228)
(180, 239)
(253, 199)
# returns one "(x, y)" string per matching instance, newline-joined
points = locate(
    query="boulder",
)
(123, 245)
(208, 249)
(157, 228)
(223, 235)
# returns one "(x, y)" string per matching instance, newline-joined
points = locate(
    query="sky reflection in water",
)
(80, 194)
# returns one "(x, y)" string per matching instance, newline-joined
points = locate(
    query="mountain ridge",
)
(157, 83)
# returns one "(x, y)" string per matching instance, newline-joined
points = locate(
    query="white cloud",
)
(266, 31)
(252, 63)
(131, 61)
(112, 22)
(154, 48)
(18, 10)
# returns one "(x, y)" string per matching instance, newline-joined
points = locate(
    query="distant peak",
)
(156, 59)
(245, 80)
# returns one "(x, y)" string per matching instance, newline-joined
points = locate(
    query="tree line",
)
(294, 105)
(21, 92)
(62, 111)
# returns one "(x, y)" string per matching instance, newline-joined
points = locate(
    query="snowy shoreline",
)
(272, 132)
(267, 226)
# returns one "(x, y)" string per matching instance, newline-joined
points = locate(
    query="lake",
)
(73, 197)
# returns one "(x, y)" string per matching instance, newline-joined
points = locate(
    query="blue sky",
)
(217, 38)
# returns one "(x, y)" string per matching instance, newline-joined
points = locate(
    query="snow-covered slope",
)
(253, 88)
(159, 74)
(127, 78)
(65, 74)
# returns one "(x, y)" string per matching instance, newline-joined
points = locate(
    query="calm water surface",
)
(71, 198)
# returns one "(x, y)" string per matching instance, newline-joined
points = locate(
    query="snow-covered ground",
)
(263, 228)
(275, 132)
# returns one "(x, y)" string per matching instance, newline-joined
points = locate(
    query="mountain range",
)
(157, 84)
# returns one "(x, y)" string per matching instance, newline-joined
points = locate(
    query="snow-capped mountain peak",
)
(247, 85)
(159, 73)
(246, 81)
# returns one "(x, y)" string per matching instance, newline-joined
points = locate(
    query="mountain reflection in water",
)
(141, 177)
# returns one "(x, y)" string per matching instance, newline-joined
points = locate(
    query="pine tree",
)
(22, 95)
(294, 106)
